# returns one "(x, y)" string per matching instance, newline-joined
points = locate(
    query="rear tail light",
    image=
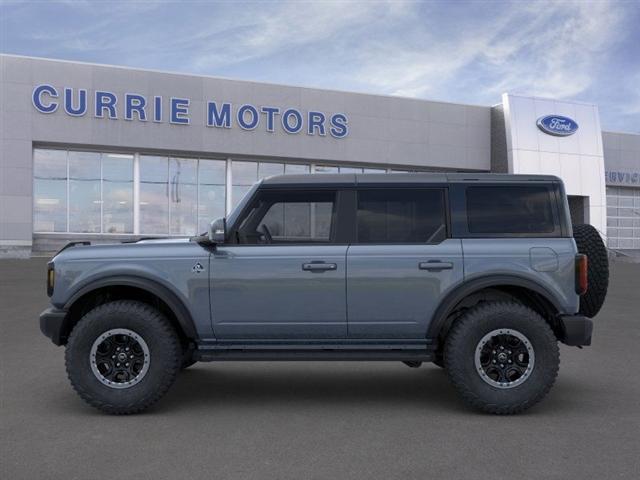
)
(51, 278)
(582, 280)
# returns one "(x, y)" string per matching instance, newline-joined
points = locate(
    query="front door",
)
(284, 277)
(401, 263)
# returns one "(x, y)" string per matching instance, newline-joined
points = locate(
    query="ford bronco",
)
(482, 274)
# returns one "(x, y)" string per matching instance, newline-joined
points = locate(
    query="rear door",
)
(285, 278)
(401, 262)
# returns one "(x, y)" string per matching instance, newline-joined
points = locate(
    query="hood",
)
(150, 247)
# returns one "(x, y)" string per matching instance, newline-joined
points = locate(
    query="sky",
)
(456, 51)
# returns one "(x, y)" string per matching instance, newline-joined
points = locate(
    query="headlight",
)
(51, 278)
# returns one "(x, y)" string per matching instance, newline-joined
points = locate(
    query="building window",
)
(154, 195)
(50, 191)
(326, 169)
(269, 169)
(95, 193)
(85, 203)
(117, 193)
(183, 198)
(82, 192)
(294, 169)
(243, 175)
(212, 179)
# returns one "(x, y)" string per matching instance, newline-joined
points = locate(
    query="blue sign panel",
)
(133, 106)
(557, 125)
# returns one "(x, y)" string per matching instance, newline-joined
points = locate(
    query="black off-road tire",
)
(463, 340)
(590, 243)
(438, 360)
(165, 356)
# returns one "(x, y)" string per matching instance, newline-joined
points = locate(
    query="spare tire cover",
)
(590, 243)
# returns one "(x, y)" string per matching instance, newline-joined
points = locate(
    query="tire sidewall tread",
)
(157, 332)
(589, 243)
(459, 357)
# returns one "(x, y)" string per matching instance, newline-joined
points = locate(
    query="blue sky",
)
(465, 51)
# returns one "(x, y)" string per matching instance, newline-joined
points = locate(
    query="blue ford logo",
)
(557, 125)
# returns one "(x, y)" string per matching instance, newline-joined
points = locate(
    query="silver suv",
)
(480, 274)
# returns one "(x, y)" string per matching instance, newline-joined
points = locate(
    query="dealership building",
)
(104, 153)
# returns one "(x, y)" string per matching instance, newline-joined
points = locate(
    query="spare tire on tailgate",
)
(590, 243)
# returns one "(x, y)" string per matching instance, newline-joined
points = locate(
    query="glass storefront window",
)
(270, 169)
(326, 169)
(85, 204)
(117, 193)
(292, 168)
(350, 170)
(243, 174)
(211, 197)
(93, 192)
(49, 190)
(183, 198)
(154, 195)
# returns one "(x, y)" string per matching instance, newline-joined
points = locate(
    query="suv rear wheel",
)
(502, 357)
(123, 356)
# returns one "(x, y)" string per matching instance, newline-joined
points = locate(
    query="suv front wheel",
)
(123, 356)
(502, 357)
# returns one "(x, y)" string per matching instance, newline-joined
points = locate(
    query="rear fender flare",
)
(465, 289)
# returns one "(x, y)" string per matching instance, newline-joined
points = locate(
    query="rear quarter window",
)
(503, 210)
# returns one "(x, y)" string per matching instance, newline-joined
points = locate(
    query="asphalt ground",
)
(318, 420)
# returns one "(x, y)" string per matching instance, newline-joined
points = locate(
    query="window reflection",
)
(85, 204)
(49, 190)
(294, 169)
(243, 174)
(154, 195)
(183, 196)
(350, 170)
(117, 193)
(270, 169)
(211, 201)
(326, 169)
(92, 192)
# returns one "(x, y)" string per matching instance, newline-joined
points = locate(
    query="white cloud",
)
(545, 49)
(258, 33)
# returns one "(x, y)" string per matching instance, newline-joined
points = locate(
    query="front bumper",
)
(53, 323)
(575, 330)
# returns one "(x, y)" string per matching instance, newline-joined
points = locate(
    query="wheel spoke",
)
(504, 358)
(119, 358)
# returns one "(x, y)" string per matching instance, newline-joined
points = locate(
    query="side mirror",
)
(217, 231)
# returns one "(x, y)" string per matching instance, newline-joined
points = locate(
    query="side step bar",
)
(318, 355)
(421, 351)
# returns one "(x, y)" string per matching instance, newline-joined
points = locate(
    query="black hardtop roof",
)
(351, 179)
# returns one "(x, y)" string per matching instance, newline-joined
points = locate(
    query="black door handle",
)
(435, 266)
(318, 267)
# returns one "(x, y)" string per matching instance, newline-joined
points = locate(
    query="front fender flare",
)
(177, 306)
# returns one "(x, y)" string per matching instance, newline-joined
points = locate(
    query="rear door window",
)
(401, 216)
(511, 210)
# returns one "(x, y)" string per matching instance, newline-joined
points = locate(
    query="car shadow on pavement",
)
(253, 384)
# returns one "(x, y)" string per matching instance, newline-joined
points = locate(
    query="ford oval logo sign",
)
(557, 125)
